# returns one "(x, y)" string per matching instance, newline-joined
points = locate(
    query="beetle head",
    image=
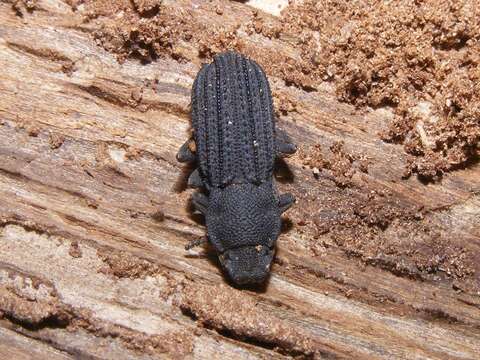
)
(247, 264)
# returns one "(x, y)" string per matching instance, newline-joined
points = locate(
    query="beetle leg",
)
(196, 242)
(285, 201)
(284, 144)
(194, 180)
(186, 153)
(200, 201)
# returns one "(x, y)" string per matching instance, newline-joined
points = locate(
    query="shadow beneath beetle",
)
(282, 172)
(182, 182)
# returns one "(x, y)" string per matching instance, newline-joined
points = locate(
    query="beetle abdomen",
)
(233, 121)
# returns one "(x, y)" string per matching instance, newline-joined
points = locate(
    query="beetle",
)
(234, 145)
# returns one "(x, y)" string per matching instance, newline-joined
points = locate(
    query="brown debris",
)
(398, 54)
(22, 6)
(75, 250)
(34, 308)
(158, 215)
(33, 130)
(370, 222)
(145, 30)
(228, 310)
(29, 299)
(340, 164)
(362, 226)
(147, 8)
(123, 265)
(55, 140)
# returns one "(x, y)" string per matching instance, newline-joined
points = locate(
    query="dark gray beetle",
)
(235, 144)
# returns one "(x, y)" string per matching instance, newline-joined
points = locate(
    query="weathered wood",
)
(94, 221)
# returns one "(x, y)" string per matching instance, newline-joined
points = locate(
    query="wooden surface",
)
(94, 220)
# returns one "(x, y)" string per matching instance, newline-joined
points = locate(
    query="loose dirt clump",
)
(55, 140)
(141, 29)
(74, 250)
(22, 6)
(123, 265)
(340, 165)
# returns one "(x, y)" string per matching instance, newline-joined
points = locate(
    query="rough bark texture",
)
(94, 217)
